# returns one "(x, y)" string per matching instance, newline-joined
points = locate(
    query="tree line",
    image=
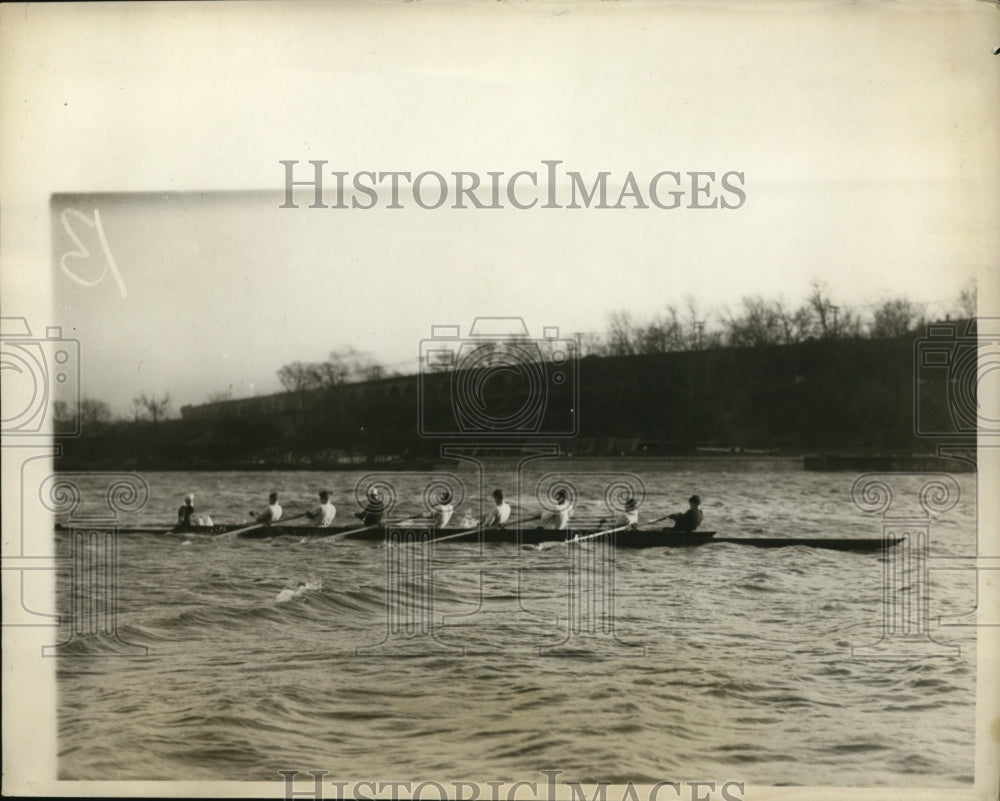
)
(759, 321)
(93, 415)
(342, 366)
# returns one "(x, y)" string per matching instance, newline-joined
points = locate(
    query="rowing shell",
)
(653, 538)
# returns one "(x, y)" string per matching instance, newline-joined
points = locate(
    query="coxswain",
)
(273, 512)
(558, 518)
(690, 520)
(186, 511)
(325, 513)
(501, 513)
(374, 508)
(629, 516)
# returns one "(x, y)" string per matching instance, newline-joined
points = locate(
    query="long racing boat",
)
(641, 538)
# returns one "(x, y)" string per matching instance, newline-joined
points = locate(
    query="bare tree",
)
(94, 415)
(670, 331)
(829, 319)
(849, 324)
(695, 335)
(346, 365)
(62, 419)
(340, 367)
(152, 405)
(590, 343)
(330, 373)
(759, 324)
(299, 376)
(365, 368)
(967, 300)
(822, 309)
(796, 325)
(621, 334)
(373, 372)
(894, 318)
(664, 334)
(438, 363)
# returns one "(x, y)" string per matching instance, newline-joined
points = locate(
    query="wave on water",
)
(303, 587)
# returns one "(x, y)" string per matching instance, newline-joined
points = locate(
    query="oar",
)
(544, 546)
(455, 536)
(341, 534)
(230, 535)
(478, 528)
(439, 539)
(609, 531)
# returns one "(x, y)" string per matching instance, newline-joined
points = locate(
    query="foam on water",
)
(303, 587)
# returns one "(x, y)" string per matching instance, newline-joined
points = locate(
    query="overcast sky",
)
(865, 133)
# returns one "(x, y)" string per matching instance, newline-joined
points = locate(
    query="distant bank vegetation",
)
(814, 378)
(757, 322)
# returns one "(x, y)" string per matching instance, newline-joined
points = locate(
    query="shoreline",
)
(683, 463)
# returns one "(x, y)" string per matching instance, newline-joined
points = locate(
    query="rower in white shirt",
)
(558, 518)
(442, 511)
(500, 515)
(325, 513)
(273, 512)
(629, 517)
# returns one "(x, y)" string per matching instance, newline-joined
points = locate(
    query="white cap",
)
(189, 496)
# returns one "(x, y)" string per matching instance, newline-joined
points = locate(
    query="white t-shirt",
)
(558, 518)
(272, 514)
(627, 518)
(499, 516)
(442, 514)
(324, 514)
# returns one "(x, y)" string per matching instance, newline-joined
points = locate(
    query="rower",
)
(629, 517)
(442, 511)
(185, 512)
(373, 510)
(690, 520)
(558, 518)
(273, 512)
(500, 515)
(325, 513)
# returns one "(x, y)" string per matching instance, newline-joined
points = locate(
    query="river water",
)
(480, 663)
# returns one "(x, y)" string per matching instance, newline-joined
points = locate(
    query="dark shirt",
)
(688, 521)
(372, 514)
(184, 515)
